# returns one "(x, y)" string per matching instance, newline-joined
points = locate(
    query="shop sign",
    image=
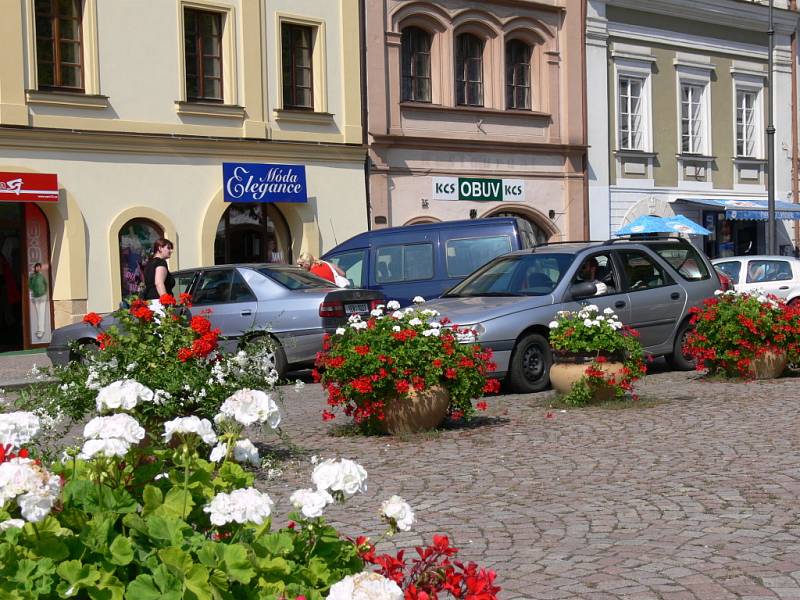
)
(253, 182)
(478, 189)
(28, 187)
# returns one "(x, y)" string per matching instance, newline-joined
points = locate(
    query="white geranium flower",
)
(299, 385)
(415, 321)
(244, 451)
(18, 428)
(431, 332)
(184, 425)
(36, 504)
(12, 524)
(398, 314)
(582, 314)
(553, 325)
(250, 406)
(343, 476)
(311, 503)
(359, 325)
(608, 311)
(399, 512)
(588, 322)
(376, 312)
(246, 505)
(120, 426)
(592, 308)
(218, 452)
(354, 318)
(35, 489)
(106, 447)
(340, 330)
(600, 318)
(123, 394)
(392, 305)
(418, 300)
(396, 328)
(365, 586)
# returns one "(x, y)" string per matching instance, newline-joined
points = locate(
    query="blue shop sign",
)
(253, 182)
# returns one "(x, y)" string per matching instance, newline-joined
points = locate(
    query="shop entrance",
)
(12, 231)
(252, 233)
(731, 237)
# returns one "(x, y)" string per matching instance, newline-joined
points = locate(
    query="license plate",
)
(352, 309)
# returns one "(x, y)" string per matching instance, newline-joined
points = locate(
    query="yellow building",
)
(134, 108)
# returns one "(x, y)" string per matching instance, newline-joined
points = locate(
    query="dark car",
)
(288, 304)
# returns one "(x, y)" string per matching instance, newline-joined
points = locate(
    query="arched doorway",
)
(25, 284)
(250, 232)
(540, 235)
(136, 240)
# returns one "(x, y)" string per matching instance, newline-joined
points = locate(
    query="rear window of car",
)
(685, 259)
(467, 254)
(296, 279)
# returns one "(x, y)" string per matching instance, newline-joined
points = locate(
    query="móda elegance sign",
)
(253, 182)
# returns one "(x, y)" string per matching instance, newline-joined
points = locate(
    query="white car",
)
(778, 275)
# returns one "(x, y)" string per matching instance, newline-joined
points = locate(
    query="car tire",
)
(678, 360)
(530, 364)
(279, 356)
(794, 302)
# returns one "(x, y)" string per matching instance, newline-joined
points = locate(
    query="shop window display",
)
(136, 240)
(252, 233)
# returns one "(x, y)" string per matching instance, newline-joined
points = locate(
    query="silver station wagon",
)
(650, 283)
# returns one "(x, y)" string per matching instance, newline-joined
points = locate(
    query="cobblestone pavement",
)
(691, 493)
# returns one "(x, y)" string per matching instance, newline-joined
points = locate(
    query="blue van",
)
(427, 259)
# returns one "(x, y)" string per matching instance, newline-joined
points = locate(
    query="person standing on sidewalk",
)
(157, 278)
(37, 284)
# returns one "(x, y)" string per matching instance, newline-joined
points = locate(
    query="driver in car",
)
(588, 272)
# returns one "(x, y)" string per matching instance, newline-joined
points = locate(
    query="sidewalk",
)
(15, 367)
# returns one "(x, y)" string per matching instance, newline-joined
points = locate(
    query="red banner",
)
(28, 187)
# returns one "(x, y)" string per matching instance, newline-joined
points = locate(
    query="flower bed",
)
(368, 363)
(733, 330)
(599, 339)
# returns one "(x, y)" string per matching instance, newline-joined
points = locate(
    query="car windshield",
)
(517, 275)
(295, 279)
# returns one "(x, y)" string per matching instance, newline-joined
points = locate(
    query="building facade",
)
(231, 127)
(677, 114)
(476, 109)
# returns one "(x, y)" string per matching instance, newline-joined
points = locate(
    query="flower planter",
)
(415, 411)
(768, 366)
(567, 369)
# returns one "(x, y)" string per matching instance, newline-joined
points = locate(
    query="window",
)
(403, 263)
(252, 233)
(294, 278)
(692, 119)
(465, 255)
(202, 34)
(352, 263)
(298, 77)
(630, 113)
(469, 70)
(518, 75)
(746, 130)
(214, 287)
(760, 271)
(641, 271)
(731, 269)
(515, 275)
(136, 240)
(59, 46)
(240, 291)
(416, 65)
(598, 269)
(684, 259)
(183, 281)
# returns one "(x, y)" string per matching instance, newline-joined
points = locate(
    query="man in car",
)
(588, 272)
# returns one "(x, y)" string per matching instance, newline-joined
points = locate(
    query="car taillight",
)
(725, 282)
(331, 309)
(373, 304)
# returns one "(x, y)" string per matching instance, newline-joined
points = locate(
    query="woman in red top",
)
(320, 268)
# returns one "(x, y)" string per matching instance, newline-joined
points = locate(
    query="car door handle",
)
(675, 295)
(784, 287)
(246, 313)
(619, 304)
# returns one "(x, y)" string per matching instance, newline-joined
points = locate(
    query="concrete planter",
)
(768, 366)
(567, 369)
(415, 411)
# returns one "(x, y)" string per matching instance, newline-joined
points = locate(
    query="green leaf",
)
(97, 531)
(152, 498)
(121, 550)
(178, 503)
(233, 476)
(76, 576)
(276, 544)
(108, 588)
(196, 581)
(166, 529)
(237, 564)
(160, 586)
(176, 560)
(275, 569)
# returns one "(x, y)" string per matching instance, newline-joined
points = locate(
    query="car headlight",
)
(469, 334)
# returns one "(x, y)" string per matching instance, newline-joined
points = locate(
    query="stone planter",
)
(567, 369)
(768, 366)
(415, 411)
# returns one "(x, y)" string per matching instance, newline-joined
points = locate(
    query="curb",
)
(17, 384)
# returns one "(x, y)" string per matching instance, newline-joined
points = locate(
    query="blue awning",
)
(748, 210)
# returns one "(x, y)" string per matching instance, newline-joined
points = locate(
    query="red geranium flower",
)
(200, 325)
(92, 319)
(362, 350)
(167, 300)
(185, 299)
(184, 354)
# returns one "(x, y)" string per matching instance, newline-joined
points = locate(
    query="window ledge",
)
(696, 157)
(748, 160)
(635, 154)
(209, 109)
(303, 116)
(64, 98)
(512, 112)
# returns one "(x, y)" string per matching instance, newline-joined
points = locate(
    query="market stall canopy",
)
(650, 224)
(747, 210)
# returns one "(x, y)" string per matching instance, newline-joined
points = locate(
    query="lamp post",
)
(772, 242)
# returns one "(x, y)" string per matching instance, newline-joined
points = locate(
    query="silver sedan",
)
(289, 305)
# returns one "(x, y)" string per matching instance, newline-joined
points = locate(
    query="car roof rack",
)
(567, 242)
(644, 237)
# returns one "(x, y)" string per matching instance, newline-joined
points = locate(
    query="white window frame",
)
(700, 77)
(628, 68)
(755, 86)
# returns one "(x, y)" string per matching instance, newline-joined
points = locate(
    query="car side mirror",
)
(584, 289)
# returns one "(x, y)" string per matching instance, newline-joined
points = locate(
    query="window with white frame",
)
(693, 118)
(630, 113)
(746, 123)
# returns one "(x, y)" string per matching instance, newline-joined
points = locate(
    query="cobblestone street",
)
(692, 493)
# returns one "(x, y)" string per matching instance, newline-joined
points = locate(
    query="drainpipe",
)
(584, 100)
(794, 112)
(362, 44)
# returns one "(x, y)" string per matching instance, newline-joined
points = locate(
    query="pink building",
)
(476, 109)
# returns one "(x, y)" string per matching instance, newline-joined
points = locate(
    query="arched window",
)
(469, 70)
(136, 239)
(252, 233)
(416, 65)
(518, 75)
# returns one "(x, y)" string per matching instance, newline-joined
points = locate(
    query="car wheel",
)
(795, 302)
(530, 364)
(678, 360)
(276, 356)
